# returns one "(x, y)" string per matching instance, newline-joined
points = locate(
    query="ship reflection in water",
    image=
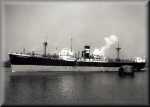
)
(75, 88)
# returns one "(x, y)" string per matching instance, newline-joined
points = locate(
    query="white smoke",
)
(112, 39)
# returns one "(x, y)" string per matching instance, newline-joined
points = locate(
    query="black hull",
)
(34, 60)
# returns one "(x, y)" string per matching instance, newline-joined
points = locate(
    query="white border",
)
(3, 3)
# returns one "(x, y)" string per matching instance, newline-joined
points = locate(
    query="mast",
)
(71, 44)
(118, 52)
(45, 46)
(24, 51)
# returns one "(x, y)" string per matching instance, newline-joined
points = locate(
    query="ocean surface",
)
(75, 88)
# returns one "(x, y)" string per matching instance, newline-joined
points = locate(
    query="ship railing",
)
(91, 60)
(121, 60)
(15, 53)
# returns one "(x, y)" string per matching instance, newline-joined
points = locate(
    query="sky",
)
(27, 25)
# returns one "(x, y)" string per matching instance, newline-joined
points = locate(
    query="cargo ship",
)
(66, 61)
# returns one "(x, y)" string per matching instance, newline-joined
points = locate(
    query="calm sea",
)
(75, 88)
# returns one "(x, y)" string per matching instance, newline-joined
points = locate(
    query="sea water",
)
(75, 88)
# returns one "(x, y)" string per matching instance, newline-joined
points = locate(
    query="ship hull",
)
(34, 63)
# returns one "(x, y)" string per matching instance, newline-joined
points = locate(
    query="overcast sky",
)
(28, 25)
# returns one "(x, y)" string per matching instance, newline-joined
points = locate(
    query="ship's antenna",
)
(118, 52)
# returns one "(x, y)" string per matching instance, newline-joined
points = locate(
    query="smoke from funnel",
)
(112, 39)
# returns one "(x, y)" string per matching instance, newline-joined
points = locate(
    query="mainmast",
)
(118, 52)
(45, 46)
(71, 44)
